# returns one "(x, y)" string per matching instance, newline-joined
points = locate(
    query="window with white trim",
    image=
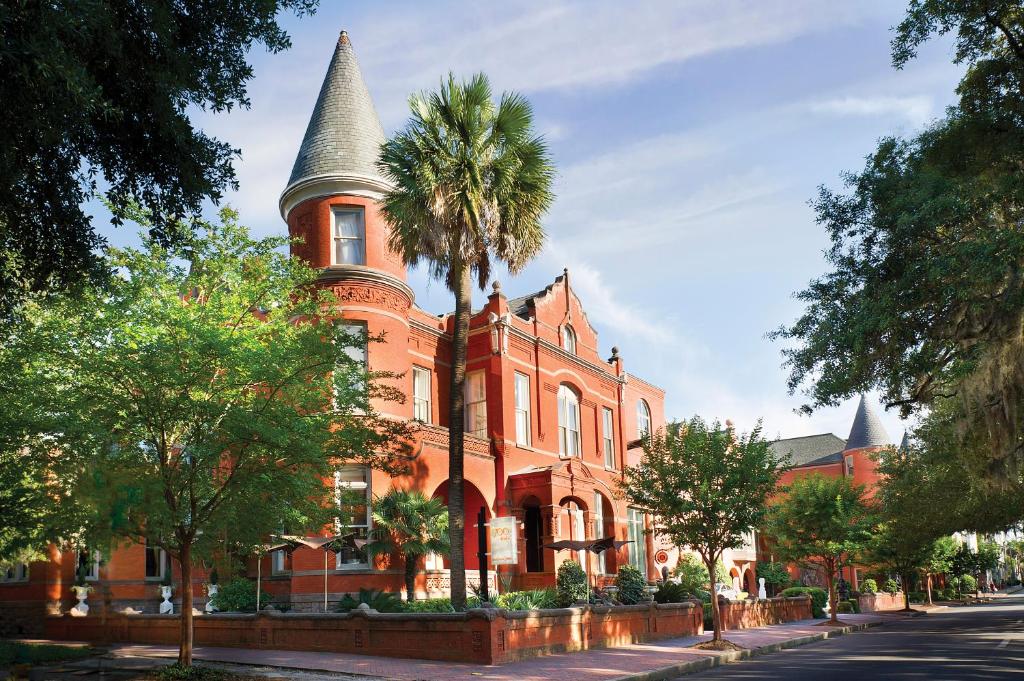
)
(848, 460)
(88, 565)
(522, 399)
(16, 572)
(421, 394)
(352, 490)
(157, 563)
(349, 236)
(608, 438)
(599, 530)
(356, 351)
(568, 422)
(643, 419)
(476, 404)
(569, 339)
(638, 549)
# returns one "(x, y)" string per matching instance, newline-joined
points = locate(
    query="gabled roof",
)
(867, 430)
(810, 450)
(344, 134)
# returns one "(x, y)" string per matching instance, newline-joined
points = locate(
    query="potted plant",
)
(211, 590)
(166, 608)
(81, 589)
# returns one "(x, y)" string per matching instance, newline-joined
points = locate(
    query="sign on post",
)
(504, 546)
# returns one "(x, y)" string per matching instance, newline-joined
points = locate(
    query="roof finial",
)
(343, 38)
(496, 286)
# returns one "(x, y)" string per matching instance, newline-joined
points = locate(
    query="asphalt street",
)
(970, 642)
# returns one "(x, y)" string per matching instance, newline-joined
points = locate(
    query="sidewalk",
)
(638, 662)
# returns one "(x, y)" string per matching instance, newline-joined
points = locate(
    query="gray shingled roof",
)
(867, 430)
(344, 133)
(810, 450)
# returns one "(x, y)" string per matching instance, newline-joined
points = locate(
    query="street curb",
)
(712, 661)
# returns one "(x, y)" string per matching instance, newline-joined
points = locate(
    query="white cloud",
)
(918, 109)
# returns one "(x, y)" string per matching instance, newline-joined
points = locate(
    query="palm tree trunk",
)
(185, 649)
(410, 578)
(456, 429)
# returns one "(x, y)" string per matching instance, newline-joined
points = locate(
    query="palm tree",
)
(471, 181)
(411, 525)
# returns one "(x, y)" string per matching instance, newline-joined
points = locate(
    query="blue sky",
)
(688, 137)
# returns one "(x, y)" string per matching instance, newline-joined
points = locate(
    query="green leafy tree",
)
(411, 525)
(938, 561)
(471, 182)
(823, 523)
(103, 91)
(924, 299)
(707, 487)
(900, 552)
(202, 393)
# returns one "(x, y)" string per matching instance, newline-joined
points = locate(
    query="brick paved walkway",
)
(591, 665)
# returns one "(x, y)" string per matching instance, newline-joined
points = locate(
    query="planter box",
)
(759, 613)
(880, 601)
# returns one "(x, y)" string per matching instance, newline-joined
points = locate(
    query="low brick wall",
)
(480, 636)
(759, 613)
(20, 619)
(881, 601)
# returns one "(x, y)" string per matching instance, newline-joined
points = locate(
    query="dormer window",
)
(569, 339)
(349, 237)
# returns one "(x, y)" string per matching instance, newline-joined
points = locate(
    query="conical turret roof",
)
(867, 430)
(344, 134)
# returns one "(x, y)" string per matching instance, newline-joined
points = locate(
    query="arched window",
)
(568, 422)
(569, 339)
(643, 419)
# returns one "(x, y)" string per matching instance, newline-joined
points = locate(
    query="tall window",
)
(349, 237)
(569, 339)
(421, 394)
(599, 530)
(476, 404)
(643, 419)
(849, 466)
(608, 438)
(638, 549)
(568, 422)
(352, 488)
(522, 409)
(351, 378)
(18, 572)
(88, 565)
(156, 562)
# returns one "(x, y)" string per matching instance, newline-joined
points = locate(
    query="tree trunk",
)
(716, 612)
(185, 561)
(456, 430)
(928, 587)
(410, 578)
(833, 597)
(906, 592)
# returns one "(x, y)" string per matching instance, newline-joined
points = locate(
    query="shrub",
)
(918, 597)
(239, 595)
(869, 586)
(855, 604)
(670, 592)
(429, 605)
(632, 585)
(381, 601)
(968, 584)
(571, 583)
(819, 597)
(775, 576)
(891, 587)
(845, 608)
(709, 615)
(537, 599)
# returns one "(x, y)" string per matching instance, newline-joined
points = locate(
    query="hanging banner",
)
(504, 546)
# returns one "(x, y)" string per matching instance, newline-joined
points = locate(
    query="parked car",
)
(726, 591)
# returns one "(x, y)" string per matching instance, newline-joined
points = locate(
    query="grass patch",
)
(176, 672)
(723, 645)
(14, 652)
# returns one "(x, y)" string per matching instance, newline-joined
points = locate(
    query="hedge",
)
(819, 597)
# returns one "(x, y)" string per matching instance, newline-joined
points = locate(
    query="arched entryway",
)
(751, 581)
(604, 526)
(574, 526)
(473, 501)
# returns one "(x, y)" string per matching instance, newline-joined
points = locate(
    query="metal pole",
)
(481, 533)
(325, 580)
(259, 574)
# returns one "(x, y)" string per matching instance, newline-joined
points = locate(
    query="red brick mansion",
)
(550, 419)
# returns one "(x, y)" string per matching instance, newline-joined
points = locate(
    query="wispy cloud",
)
(917, 110)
